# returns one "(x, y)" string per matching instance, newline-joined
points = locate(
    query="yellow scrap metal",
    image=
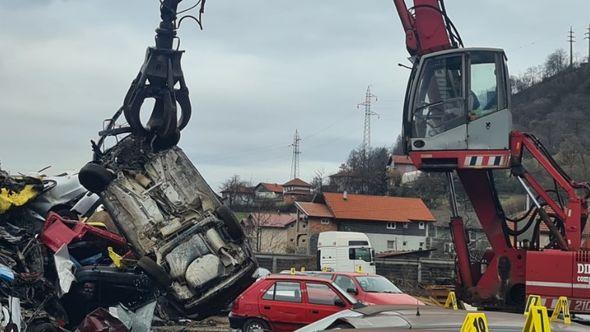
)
(451, 301)
(537, 320)
(562, 307)
(9, 198)
(116, 258)
(475, 322)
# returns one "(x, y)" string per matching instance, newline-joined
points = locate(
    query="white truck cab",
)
(345, 252)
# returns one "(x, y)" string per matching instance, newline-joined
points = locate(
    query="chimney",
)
(345, 195)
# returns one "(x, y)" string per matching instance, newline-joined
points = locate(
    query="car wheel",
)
(231, 222)
(95, 177)
(154, 271)
(255, 325)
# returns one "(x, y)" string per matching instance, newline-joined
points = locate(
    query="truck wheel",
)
(231, 222)
(95, 177)
(255, 325)
(154, 271)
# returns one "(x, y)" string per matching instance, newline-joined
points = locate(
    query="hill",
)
(557, 111)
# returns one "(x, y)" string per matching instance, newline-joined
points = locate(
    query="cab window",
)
(439, 103)
(486, 96)
(321, 294)
(284, 291)
(359, 254)
(344, 282)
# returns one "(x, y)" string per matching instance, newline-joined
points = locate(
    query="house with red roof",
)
(296, 190)
(270, 191)
(391, 223)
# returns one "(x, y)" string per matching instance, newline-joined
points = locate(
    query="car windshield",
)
(377, 284)
(342, 292)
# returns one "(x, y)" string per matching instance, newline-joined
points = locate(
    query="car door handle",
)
(267, 307)
(315, 311)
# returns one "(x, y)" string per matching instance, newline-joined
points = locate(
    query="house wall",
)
(262, 193)
(388, 242)
(305, 232)
(406, 236)
(380, 227)
(273, 240)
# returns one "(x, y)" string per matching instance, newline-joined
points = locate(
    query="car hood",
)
(391, 298)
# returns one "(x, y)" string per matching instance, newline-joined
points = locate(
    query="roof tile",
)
(377, 208)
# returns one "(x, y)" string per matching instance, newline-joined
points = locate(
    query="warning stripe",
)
(493, 161)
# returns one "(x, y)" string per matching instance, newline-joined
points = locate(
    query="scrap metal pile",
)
(138, 236)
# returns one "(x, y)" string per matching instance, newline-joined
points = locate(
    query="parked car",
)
(430, 318)
(369, 289)
(282, 302)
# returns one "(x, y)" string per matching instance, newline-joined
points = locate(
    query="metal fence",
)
(406, 273)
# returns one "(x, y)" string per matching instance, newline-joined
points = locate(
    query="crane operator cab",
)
(458, 100)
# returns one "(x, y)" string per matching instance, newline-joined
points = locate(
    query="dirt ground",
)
(211, 324)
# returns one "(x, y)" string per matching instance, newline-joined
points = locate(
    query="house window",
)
(406, 224)
(391, 225)
(421, 245)
(390, 244)
(421, 225)
(405, 243)
(325, 222)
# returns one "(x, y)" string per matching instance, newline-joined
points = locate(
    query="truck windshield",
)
(360, 254)
(377, 284)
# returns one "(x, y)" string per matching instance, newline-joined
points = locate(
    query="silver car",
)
(185, 239)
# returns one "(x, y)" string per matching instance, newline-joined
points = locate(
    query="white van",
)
(345, 252)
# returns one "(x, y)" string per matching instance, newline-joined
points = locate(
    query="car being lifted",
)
(191, 245)
(185, 239)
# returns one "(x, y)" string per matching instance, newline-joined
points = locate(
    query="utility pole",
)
(296, 153)
(588, 37)
(571, 41)
(369, 98)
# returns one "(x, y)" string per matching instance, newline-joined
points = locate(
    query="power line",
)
(369, 97)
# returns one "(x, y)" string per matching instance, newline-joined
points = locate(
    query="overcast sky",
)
(259, 71)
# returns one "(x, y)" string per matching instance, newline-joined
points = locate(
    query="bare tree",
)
(232, 188)
(556, 62)
(317, 183)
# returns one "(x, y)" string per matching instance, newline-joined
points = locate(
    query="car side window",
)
(321, 294)
(344, 282)
(284, 291)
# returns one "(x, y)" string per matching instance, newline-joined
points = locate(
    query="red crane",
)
(457, 120)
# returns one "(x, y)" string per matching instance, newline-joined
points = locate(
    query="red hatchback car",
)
(287, 302)
(372, 289)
